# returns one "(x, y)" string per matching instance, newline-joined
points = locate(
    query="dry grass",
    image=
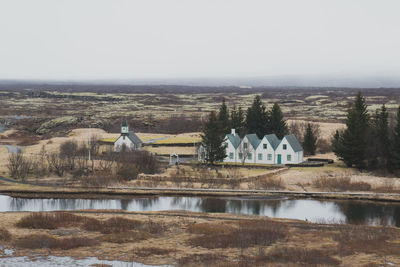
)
(126, 237)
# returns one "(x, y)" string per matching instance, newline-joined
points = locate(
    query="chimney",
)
(233, 132)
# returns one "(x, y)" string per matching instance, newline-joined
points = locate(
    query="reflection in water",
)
(312, 210)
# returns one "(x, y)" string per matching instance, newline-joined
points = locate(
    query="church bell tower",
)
(124, 127)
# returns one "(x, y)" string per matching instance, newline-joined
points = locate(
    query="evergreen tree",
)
(310, 141)
(394, 159)
(213, 139)
(237, 120)
(352, 143)
(378, 148)
(277, 124)
(256, 118)
(223, 117)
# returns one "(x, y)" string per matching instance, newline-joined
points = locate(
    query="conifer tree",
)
(394, 159)
(310, 141)
(213, 139)
(256, 118)
(237, 120)
(223, 117)
(277, 124)
(352, 143)
(378, 148)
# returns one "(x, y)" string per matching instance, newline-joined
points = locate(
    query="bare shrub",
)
(19, 166)
(269, 182)
(69, 151)
(126, 237)
(40, 167)
(208, 228)
(300, 255)
(99, 179)
(366, 239)
(56, 164)
(340, 184)
(149, 251)
(45, 241)
(106, 160)
(4, 235)
(49, 220)
(113, 225)
(324, 146)
(250, 233)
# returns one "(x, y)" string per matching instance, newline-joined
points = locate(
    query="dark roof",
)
(254, 140)
(134, 138)
(273, 140)
(235, 140)
(294, 143)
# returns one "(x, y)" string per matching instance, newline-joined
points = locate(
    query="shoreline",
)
(91, 193)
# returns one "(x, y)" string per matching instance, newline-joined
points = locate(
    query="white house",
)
(232, 143)
(289, 151)
(127, 139)
(268, 150)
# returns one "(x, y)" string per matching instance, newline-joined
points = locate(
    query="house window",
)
(289, 157)
(240, 155)
(231, 155)
(284, 147)
(264, 146)
(259, 156)
(249, 155)
(244, 145)
(203, 155)
(269, 156)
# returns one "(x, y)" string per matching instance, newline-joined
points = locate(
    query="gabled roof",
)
(253, 139)
(294, 143)
(234, 139)
(134, 138)
(273, 140)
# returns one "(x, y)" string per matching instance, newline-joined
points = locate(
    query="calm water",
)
(373, 213)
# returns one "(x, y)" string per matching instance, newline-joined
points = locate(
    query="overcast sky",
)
(129, 39)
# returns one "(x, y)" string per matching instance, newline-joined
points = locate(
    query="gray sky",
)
(129, 39)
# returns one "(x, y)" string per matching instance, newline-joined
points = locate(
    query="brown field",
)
(192, 239)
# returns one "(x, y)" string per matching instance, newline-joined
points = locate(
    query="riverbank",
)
(194, 239)
(35, 191)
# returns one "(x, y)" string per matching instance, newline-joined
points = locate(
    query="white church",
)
(268, 150)
(127, 140)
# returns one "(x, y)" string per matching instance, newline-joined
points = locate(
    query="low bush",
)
(248, 234)
(49, 220)
(4, 235)
(45, 241)
(150, 251)
(341, 184)
(300, 255)
(126, 237)
(112, 225)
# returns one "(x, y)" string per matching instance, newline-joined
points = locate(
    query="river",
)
(348, 211)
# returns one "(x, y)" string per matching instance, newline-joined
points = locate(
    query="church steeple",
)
(124, 127)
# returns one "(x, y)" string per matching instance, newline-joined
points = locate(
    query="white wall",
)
(123, 141)
(265, 152)
(296, 157)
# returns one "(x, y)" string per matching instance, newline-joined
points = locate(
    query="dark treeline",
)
(369, 141)
(176, 89)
